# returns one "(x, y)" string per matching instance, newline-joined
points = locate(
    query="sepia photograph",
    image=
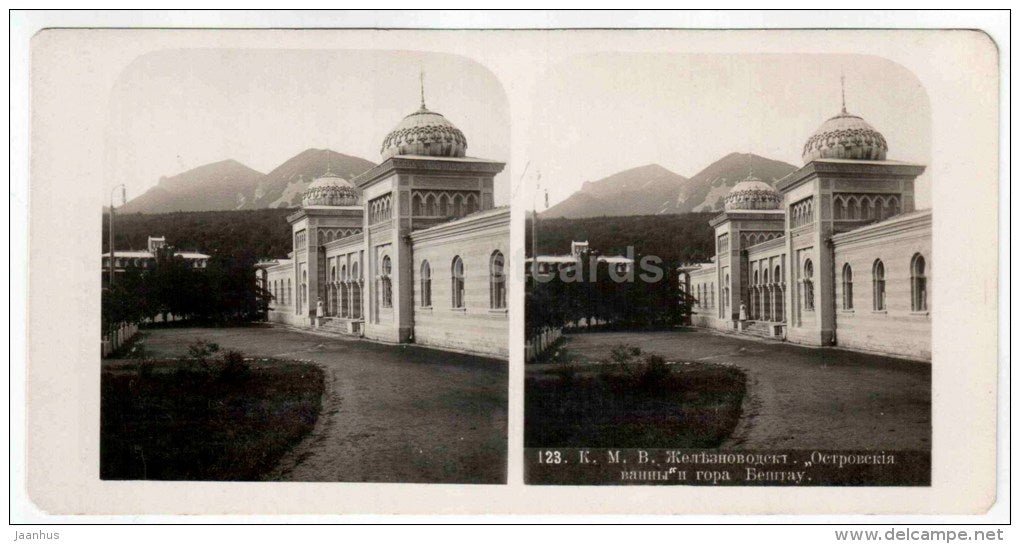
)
(774, 306)
(307, 279)
(343, 267)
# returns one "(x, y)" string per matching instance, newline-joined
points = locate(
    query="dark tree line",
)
(680, 238)
(587, 295)
(225, 291)
(264, 233)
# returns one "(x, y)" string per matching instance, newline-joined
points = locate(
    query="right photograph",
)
(729, 272)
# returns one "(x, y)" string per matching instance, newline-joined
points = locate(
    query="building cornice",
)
(917, 220)
(353, 239)
(494, 218)
(419, 164)
(858, 169)
(730, 215)
(326, 211)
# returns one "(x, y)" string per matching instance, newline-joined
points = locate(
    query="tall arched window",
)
(848, 287)
(457, 283)
(418, 205)
(458, 205)
(726, 292)
(431, 208)
(290, 292)
(809, 285)
(303, 294)
(777, 277)
(497, 282)
(344, 292)
(878, 285)
(918, 284)
(426, 285)
(385, 285)
(355, 291)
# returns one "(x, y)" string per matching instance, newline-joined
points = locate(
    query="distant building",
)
(412, 250)
(553, 263)
(125, 259)
(836, 254)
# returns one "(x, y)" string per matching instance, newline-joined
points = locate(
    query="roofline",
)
(399, 163)
(896, 223)
(819, 167)
(477, 220)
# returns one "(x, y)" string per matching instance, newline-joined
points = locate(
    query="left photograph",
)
(304, 268)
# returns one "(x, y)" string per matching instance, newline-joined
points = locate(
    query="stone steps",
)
(337, 326)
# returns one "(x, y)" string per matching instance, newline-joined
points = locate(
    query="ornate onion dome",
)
(845, 136)
(330, 190)
(427, 133)
(753, 194)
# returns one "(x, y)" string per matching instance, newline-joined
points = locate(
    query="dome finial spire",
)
(842, 89)
(421, 77)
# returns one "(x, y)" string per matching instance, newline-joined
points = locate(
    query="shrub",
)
(233, 367)
(654, 373)
(202, 349)
(623, 353)
(566, 373)
(146, 368)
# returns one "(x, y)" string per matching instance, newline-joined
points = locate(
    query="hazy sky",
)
(600, 114)
(174, 110)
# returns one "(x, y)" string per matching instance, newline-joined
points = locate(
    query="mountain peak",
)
(654, 189)
(228, 184)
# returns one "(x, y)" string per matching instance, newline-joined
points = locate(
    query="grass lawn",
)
(681, 405)
(170, 420)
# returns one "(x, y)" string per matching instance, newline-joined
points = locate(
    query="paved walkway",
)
(801, 398)
(390, 413)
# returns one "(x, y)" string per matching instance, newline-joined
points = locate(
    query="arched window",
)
(878, 285)
(497, 282)
(385, 285)
(755, 278)
(918, 284)
(778, 276)
(809, 285)
(426, 285)
(444, 205)
(431, 208)
(303, 294)
(848, 287)
(290, 291)
(726, 292)
(458, 206)
(418, 205)
(472, 203)
(457, 283)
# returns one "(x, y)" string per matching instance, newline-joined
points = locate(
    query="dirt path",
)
(802, 398)
(389, 413)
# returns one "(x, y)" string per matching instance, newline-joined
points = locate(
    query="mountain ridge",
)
(653, 189)
(230, 185)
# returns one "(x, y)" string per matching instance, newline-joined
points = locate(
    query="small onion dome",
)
(330, 190)
(845, 136)
(753, 194)
(426, 133)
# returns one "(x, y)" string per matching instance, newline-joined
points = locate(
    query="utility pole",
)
(123, 199)
(534, 226)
